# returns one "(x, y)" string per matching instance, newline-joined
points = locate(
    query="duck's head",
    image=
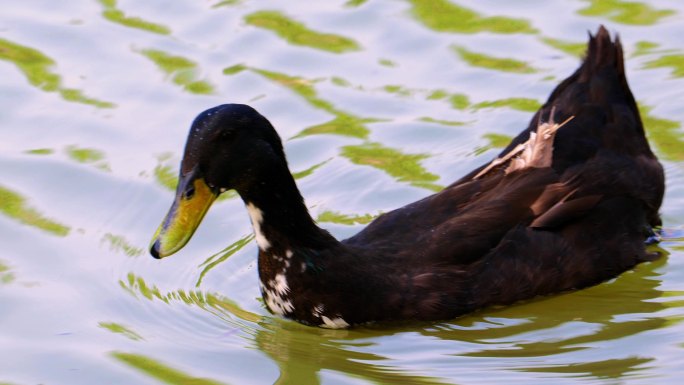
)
(230, 146)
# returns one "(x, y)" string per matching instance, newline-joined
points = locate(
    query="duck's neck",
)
(279, 217)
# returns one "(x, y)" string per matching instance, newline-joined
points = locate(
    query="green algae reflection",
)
(520, 104)
(345, 219)
(115, 15)
(664, 134)
(494, 141)
(87, 156)
(13, 205)
(571, 48)
(343, 123)
(120, 329)
(625, 12)
(222, 256)
(445, 16)
(119, 244)
(403, 167)
(161, 372)
(674, 61)
(297, 33)
(182, 71)
(36, 66)
(6, 276)
(213, 303)
(40, 151)
(481, 60)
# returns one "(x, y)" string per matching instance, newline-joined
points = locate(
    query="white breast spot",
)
(257, 218)
(280, 284)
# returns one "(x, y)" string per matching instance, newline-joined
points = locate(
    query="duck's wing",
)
(606, 123)
(600, 155)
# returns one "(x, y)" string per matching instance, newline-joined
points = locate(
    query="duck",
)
(571, 202)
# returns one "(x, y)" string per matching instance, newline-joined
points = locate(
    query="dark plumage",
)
(496, 236)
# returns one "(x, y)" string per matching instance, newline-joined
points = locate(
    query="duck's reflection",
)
(551, 328)
(560, 335)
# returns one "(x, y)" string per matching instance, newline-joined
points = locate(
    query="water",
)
(380, 103)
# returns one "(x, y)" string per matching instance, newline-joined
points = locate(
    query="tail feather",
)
(598, 95)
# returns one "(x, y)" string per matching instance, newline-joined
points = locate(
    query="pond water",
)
(380, 103)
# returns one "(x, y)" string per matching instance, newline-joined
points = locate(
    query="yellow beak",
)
(183, 218)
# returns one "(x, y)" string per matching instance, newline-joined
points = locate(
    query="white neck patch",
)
(257, 218)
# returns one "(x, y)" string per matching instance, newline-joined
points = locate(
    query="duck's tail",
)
(603, 73)
(605, 113)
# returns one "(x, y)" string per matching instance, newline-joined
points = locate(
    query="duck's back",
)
(588, 213)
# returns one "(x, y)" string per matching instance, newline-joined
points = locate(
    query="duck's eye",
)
(189, 192)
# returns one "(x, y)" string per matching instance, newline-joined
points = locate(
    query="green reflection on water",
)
(303, 87)
(498, 140)
(309, 171)
(664, 134)
(574, 49)
(302, 353)
(387, 63)
(675, 62)
(40, 151)
(87, 156)
(603, 369)
(13, 205)
(36, 67)
(344, 219)
(120, 329)
(222, 256)
(403, 167)
(625, 12)
(617, 309)
(398, 89)
(476, 59)
(6, 276)
(84, 155)
(495, 141)
(459, 101)
(182, 71)
(213, 303)
(115, 15)
(644, 48)
(137, 285)
(521, 104)
(343, 124)
(160, 371)
(226, 3)
(232, 70)
(119, 244)
(437, 95)
(445, 16)
(165, 175)
(297, 33)
(442, 122)
(355, 3)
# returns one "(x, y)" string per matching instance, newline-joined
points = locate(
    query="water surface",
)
(380, 103)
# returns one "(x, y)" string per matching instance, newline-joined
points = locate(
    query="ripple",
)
(298, 34)
(626, 12)
(116, 15)
(36, 67)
